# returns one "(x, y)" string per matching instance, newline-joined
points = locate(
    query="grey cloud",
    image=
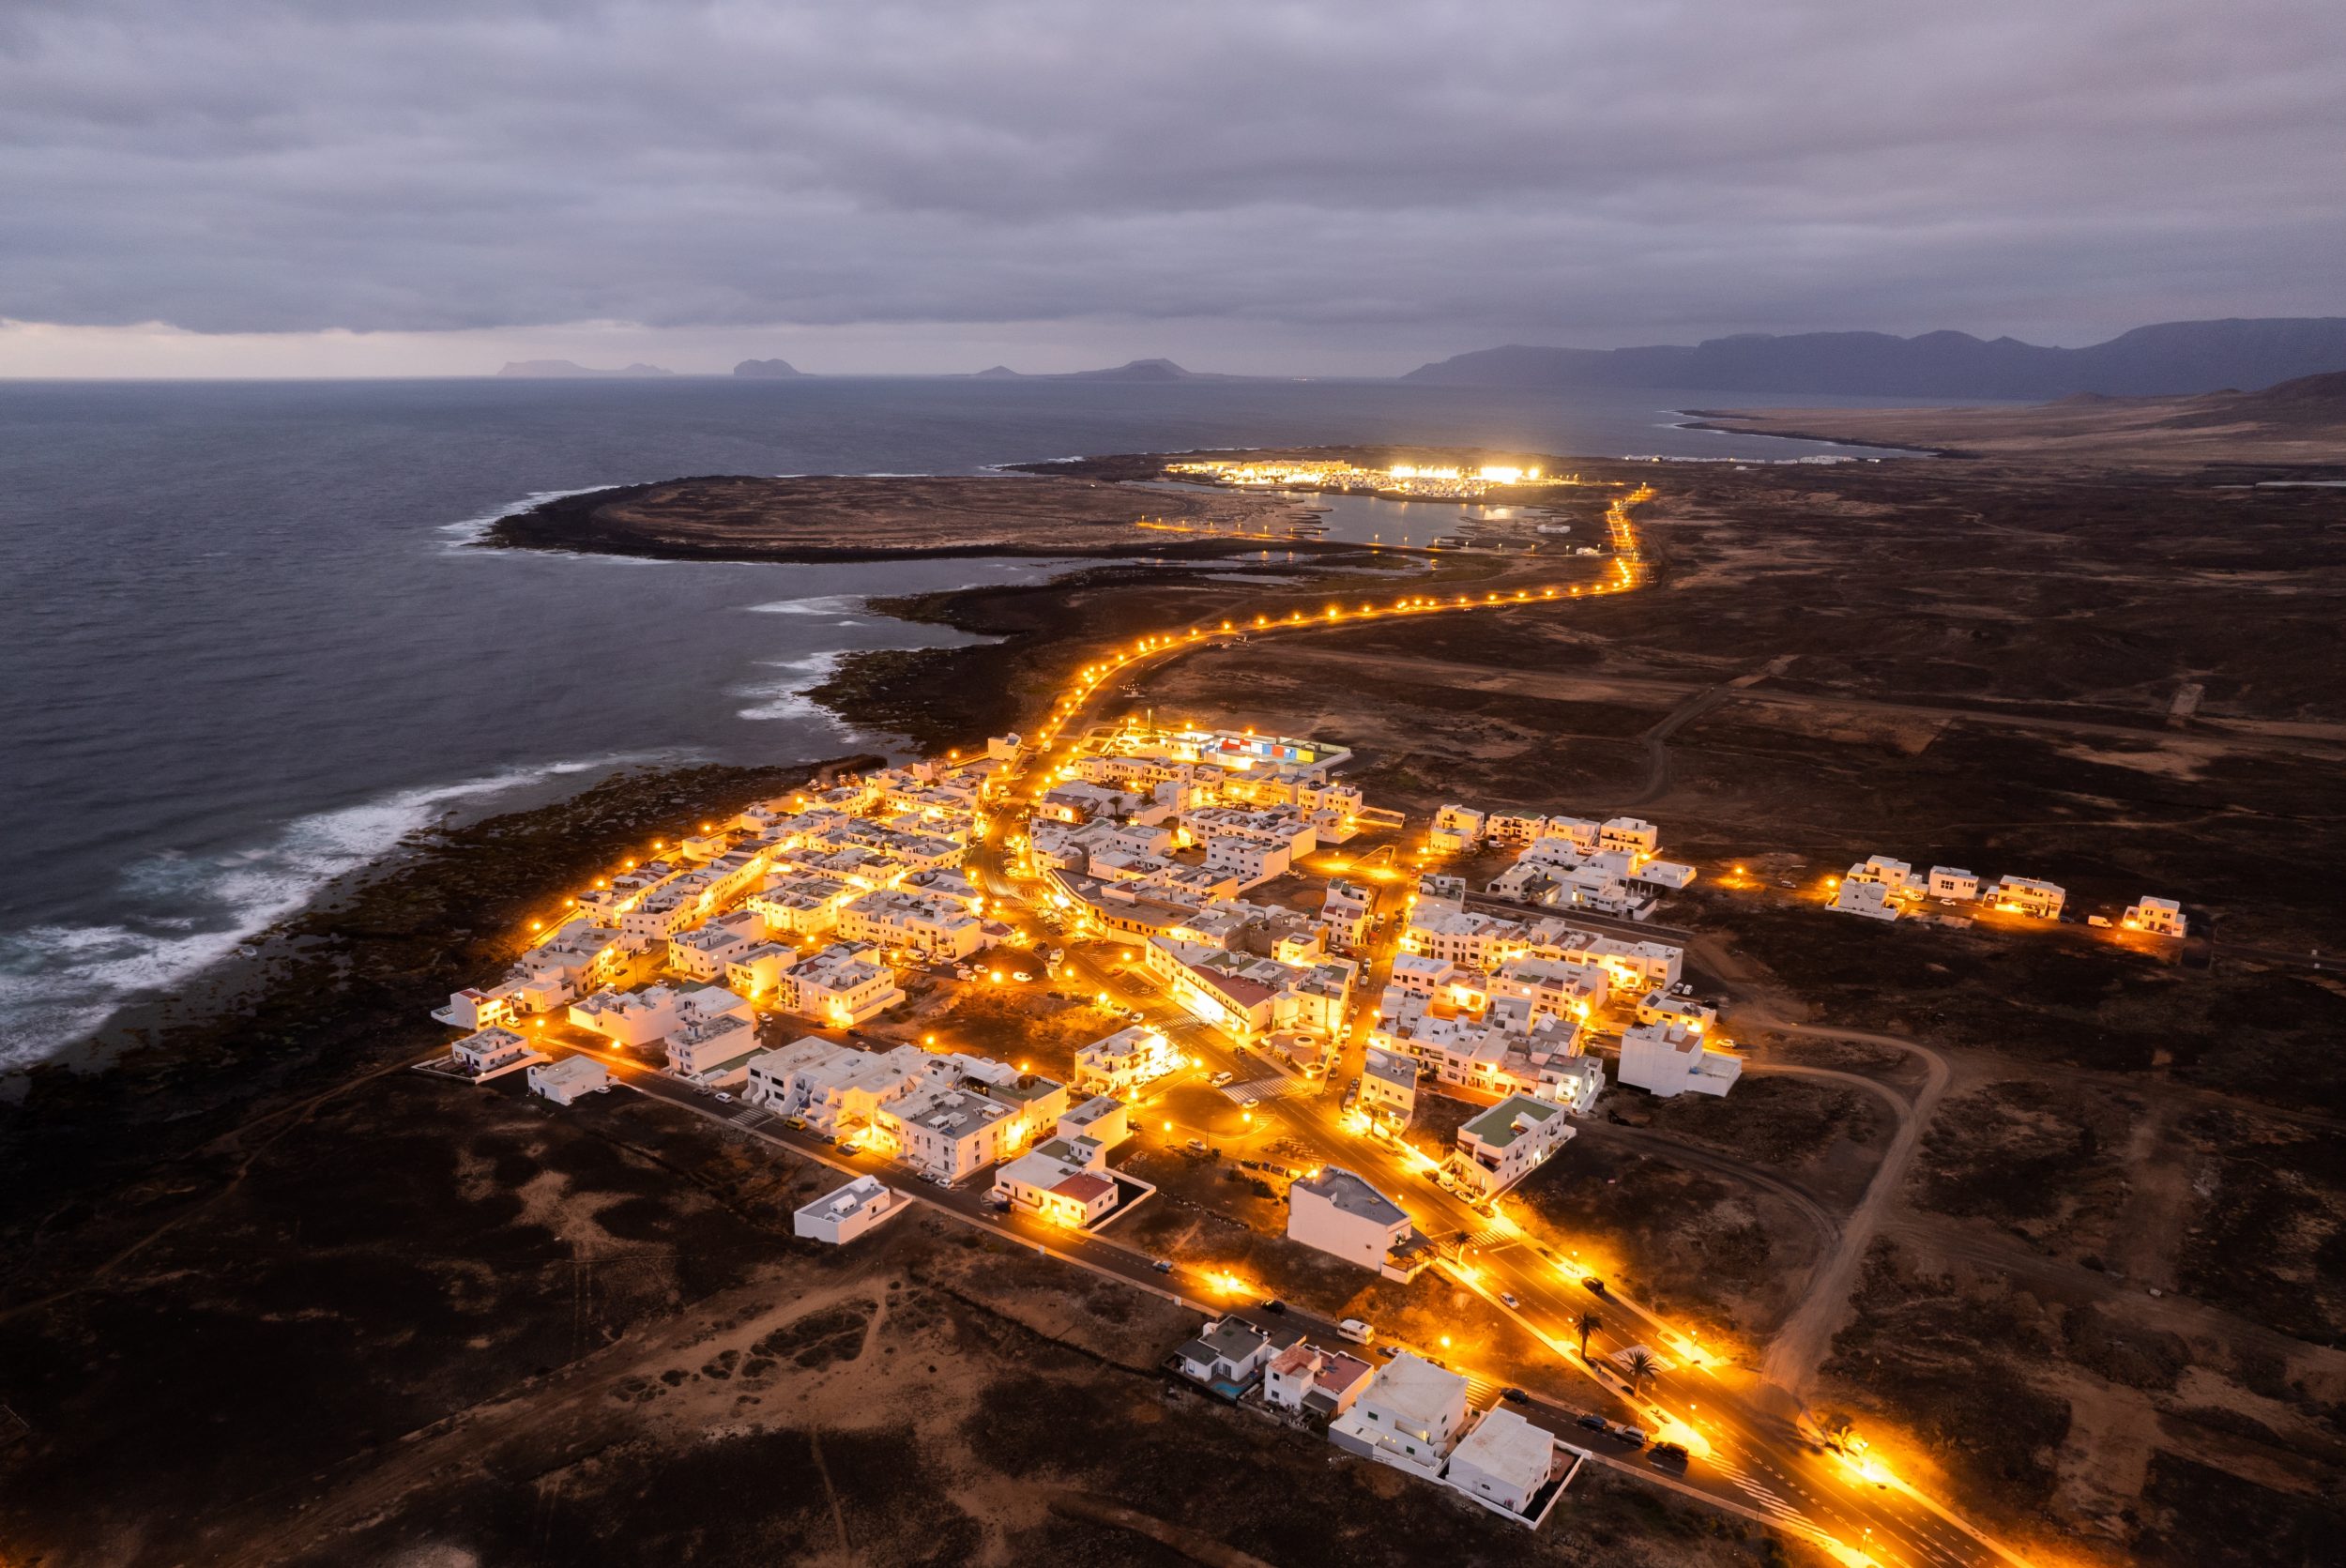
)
(1474, 172)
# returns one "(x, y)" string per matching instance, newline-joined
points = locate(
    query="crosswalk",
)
(1762, 1497)
(1266, 1088)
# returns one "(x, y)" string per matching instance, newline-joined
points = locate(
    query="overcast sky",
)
(238, 187)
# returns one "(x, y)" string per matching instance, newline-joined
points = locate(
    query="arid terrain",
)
(2058, 1214)
(825, 518)
(2297, 425)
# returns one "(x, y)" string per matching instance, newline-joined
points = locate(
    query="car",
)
(1359, 1330)
(1056, 995)
(1199, 1146)
(1274, 1304)
(1163, 1266)
(723, 1098)
(1021, 976)
(1509, 1298)
(1596, 1423)
(1593, 1286)
(1669, 1456)
(1624, 1433)
(1247, 1102)
(1514, 1396)
(1223, 1077)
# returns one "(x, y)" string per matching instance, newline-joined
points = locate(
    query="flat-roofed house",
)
(2161, 916)
(1387, 1087)
(1667, 1060)
(1340, 1213)
(2025, 895)
(843, 1215)
(1504, 1461)
(1953, 883)
(563, 1082)
(1125, 1060)
(1505, 1144)
(1409, 1416)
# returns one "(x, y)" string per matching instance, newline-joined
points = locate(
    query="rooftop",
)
(1505, 1121)
(1351, 1194)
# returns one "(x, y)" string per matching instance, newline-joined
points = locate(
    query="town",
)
(1269, 918)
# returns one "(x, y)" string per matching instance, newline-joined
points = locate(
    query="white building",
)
(1125, 1061)
(758, 971)
(1227, 1356)
(848, 1213)
(565, 1081)
(1660, 1007)
(2161, 916)
(1667, 1060)
(703, 953)
(486, 1050)
(1506, 1143)
(1630, 834)
(935, 927)
(1409, 1416)
(1102, 1118)
(1868, 900)
(1454, 829)
(631, 1019)
(1341, 1215)
(842, 986)
(1954, 884)
(1504, 1461)
(713, 1048)
(1306, 1379)
(1389, 1086)
(1895, 875)
(1062, 1182)
(2024, 895)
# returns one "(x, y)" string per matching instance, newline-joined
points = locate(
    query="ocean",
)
(247, 647)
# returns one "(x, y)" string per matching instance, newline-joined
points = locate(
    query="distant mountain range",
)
(1134, 370)
(2178, 357)
(565, 369)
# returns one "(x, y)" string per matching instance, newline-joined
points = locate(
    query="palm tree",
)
(1590, 1322)
(1641, 1367)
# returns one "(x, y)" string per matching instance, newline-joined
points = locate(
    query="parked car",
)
(1199, 1146)
(1669, 1456)
(1514, 1396)
(1223, 1077)
(1274, 1304)
(1595, 1285)
(1247, 1102)
(723, 1098)
(1633, 1436)
(1596, 1423)
(1358, 1330)
(1021, 976)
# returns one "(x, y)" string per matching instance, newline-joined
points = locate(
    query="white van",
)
(1356, 1330)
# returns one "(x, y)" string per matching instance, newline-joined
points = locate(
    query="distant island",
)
(559, 370)
(769, 370)
(2173, 359)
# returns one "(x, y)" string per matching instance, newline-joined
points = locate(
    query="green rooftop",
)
(1496, 1128)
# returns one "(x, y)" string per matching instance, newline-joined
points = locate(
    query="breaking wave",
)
(184, 913)
(784, 697)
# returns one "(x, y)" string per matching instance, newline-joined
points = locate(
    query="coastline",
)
(598, 522)
(342, 987)
(1700, 419)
